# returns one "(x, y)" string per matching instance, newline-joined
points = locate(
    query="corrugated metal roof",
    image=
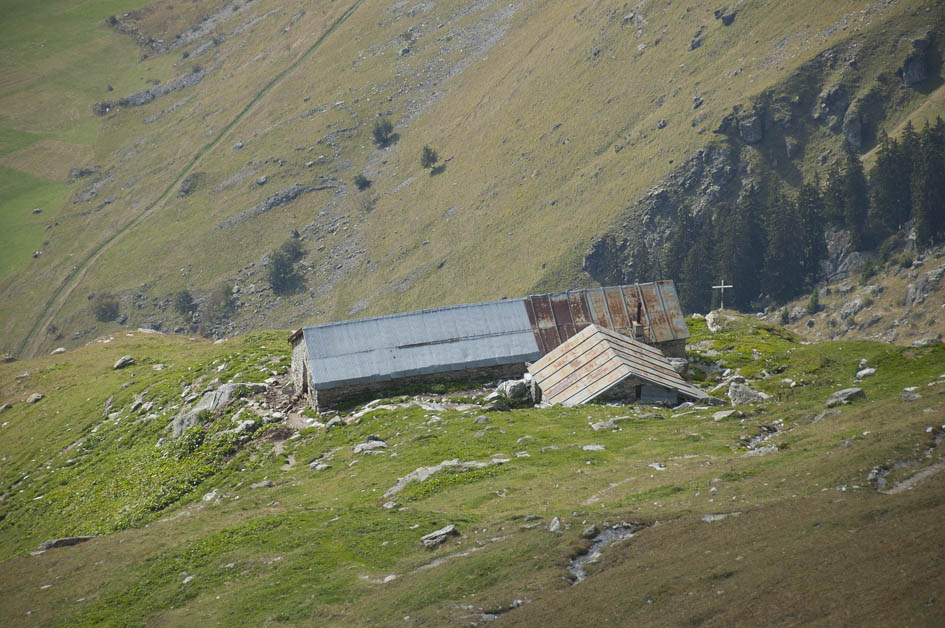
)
(420, 343)
(496, 333)
(650, 310)
(596, 359)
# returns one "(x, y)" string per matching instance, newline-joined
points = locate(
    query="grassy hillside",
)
(210, 529)
(547, 118)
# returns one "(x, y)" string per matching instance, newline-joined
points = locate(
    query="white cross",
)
(722, 288)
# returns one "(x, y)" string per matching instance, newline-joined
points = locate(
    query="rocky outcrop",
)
(149, 95)
(211, 401)
(845, 396)
(915, 67)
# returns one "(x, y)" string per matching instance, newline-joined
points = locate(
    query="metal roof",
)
(477, 335)
(420, 343)
(594, 360)
(652, 307)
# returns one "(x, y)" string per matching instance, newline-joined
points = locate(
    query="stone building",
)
(347, 360)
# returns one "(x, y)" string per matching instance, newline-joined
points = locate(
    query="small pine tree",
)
(813, 304)
(361, 182)
(184, 302)
(428, 157)
(279, 271)
(105, 307)
(856, 201)
(292, 249)
(383, 132)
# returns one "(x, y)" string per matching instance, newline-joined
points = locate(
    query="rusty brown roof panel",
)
(670, 303)
(562, 313)
(655, 306)
(580, 313)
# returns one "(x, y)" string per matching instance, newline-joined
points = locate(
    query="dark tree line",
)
(770, 242)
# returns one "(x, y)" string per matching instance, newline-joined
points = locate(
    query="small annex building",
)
(599, 363)
(336, 362)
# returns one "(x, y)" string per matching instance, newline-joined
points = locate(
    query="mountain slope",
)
(547, 118)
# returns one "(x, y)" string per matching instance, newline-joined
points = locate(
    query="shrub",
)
(292, 249)
(785, 318)
(221, 302)
(428, 157)
(813, 303)
(361, 182)
(383, 131)
(280, 271)
(184, 302)
(105, 307)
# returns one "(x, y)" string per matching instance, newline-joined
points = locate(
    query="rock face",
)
(845, 396)
(751, 125)
(369, 445)
(123, 361)
(741, 394)
(211, 401)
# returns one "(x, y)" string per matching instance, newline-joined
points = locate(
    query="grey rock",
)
(851, 308)
(695, 43)
(593, 448)
(761, 451)
(680, 365)
(34, 398)
(267, 483)
(64, 542)
(319, 466)
(721, 415)
(845, 396)
(741, 394)
(751, 126)
(910, 393)
(697, 102)
(825, 415)
(915, 67)
(58, 351)
(590, 532)
(555, 525)
(334, 422)
(791, 147)
(925, 342)
(438, 537)
(864, 373)
(661, 124)
(853, 130)
(513, 389)
(482, 419)
(211, 401)
(603, 425)
(4, 407)
(370, 445)
(123, 361)
(727, 16)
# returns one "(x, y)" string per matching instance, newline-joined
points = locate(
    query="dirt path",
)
(29, 347)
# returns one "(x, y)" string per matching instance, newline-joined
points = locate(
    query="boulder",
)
(590, 532)
(513, 389)
(58, 350)
(123, 361)
(864, 373)
(680, 365)
(34, 397)
(741, 394)
(4, 407)
(721, 415)
(369, 445)
(267, 483)
(440, 536)
(555, 525)
(845, 396)
(925, 342)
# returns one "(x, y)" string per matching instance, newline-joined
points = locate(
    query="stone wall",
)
(329, 398)
(299, 370)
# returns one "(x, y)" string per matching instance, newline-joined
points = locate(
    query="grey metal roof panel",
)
(419, 343)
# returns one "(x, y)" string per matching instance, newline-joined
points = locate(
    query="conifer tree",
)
(640, 263)
(884, 207)
(928, 185)
(784, 253)
(697, 273)
(834, 196)
(810, 214)
(856, 201)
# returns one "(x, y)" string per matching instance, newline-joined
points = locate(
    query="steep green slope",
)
(548, 118)
(192, 533)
